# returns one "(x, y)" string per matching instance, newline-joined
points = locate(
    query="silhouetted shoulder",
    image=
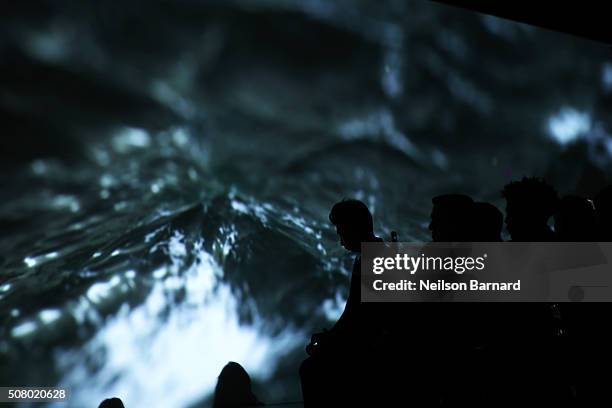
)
(575, 220)
(603, 213)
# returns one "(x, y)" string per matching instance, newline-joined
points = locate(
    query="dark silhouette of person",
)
(450, 217)
(478, 323)
(575, 221)
(425, 339)
(457, 329)
(233, 388)
(530, 203)
(487, 223)
(532, 344)
(603, 212)
(111, 403)
(588, 331)
(331, 372)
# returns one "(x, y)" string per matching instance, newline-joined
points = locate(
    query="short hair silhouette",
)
(575, 220)
(111, 403)
(450, 217)
(352, 212)
(487, 223)
(353, 222)
(530, 202)
(234, 388)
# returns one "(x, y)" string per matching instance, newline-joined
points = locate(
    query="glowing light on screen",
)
(569, 124)
(166, 352)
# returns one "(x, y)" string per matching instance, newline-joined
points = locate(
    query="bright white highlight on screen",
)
(569, 124)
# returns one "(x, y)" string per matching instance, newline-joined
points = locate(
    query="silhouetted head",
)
(603, 211)
(575, 220)
(450, 216)
(111, 403)
(353, 223)
(234, 388)
(486, 223)
(529, 204)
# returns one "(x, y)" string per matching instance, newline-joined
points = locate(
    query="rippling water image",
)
(168, 168)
